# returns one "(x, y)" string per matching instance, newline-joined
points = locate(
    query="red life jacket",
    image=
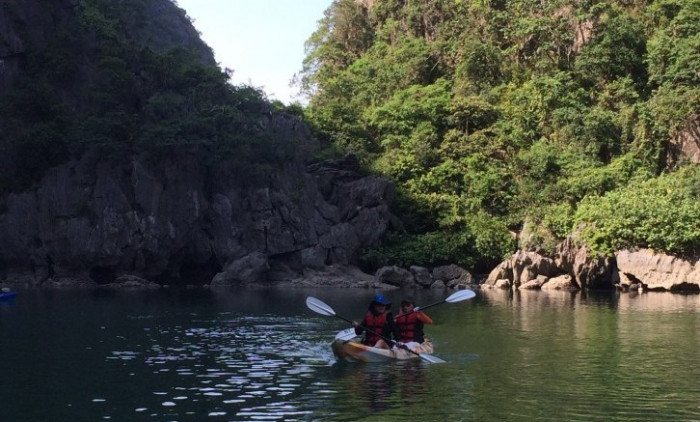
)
(374, 324)
(410, 327)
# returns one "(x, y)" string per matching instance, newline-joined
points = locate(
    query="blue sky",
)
(261, 40)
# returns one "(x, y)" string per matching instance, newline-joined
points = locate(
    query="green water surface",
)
(260, 354)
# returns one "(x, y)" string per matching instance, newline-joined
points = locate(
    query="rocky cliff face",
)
(177, 218)
(179, 221)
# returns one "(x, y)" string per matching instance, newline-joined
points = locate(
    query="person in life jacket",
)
(410, 322)
(378, 323)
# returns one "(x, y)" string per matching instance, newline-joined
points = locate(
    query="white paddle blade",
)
(346, 335)
(460, 296)
(319, 307)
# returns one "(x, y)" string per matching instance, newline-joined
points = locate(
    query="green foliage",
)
(508, 115)
(660, 213)
(480, 243)
(617, 50)
(92, 87)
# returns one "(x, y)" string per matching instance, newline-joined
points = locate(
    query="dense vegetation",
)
(500, 116)
(494, 117)
(94, 86)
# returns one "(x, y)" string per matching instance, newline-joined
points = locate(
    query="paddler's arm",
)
(425, 319)
(358, 328)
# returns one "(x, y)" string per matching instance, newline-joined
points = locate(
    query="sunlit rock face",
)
(658, 271)
(574, 268)
(686, 142)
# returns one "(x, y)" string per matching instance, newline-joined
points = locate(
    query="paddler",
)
(378, 323)
(410, 321)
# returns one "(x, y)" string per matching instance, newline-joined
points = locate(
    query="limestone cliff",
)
(180, 213)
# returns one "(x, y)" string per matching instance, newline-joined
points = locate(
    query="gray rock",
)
(658, 271)
(251, 268)
(534, 284)
(438, 284)
(421, 275)
(503, 271)
(395, 276)
(562, 282)
(453, 275)
(686, 142)
(503, 284)
(589, 272)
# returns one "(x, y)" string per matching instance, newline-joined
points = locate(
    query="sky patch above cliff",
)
(261, 41)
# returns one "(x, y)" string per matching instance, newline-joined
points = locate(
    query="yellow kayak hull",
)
(355, 351)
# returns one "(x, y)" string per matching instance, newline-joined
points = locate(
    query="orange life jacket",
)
(374, 324)
(410, 327)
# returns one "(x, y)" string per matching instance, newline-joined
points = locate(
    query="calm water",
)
(261, 355)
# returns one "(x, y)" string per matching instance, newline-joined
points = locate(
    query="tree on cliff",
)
(508, 115)
(94, 76)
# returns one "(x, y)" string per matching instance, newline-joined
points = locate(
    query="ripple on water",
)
(254, 367)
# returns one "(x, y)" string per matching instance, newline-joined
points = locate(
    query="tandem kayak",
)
(7, 295)
(355, 351)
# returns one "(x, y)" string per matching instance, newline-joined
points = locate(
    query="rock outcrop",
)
(657, 271)
(184, 214)
(686, 142)
(573, 268)
(178, 220)
(440, 277)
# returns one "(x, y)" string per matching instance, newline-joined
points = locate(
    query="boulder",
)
(453, 276)
(522, 267)
(395, 276)
(251, 268)
(502, 284)
(534, 284)
(589, 272)
(421, 275)
(503, 271)
(438, 284)
(658, 271)
(562, 282)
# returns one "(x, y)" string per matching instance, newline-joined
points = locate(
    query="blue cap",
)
(381, 299)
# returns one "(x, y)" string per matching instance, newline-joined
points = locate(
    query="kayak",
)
(7, 295)
(355, 351)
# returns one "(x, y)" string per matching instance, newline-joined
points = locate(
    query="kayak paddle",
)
(346, 335)
(454, 297)
(322, 308)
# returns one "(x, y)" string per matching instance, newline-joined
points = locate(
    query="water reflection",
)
(379, 387)
(246, 367)
(243, 367)
(260, 355)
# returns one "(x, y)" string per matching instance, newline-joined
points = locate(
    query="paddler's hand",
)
(416, 309)
(355, 324)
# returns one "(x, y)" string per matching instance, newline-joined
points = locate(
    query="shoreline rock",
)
(574, 269)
